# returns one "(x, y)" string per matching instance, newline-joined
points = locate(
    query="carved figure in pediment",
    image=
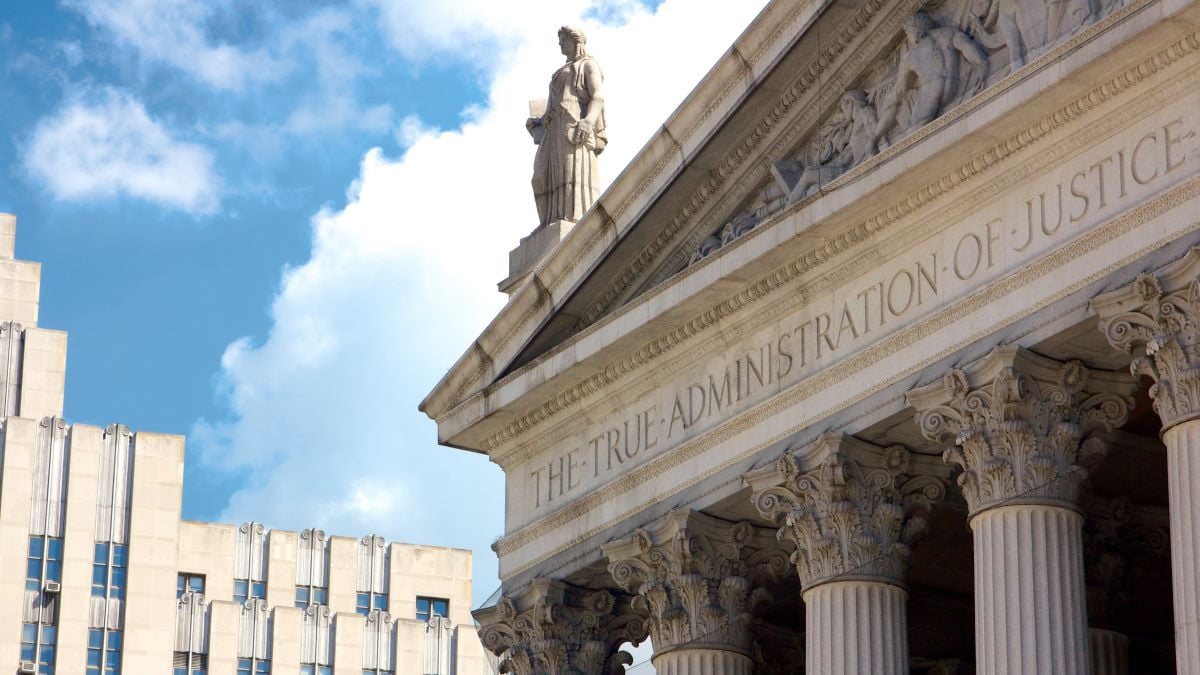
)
(1026, 26)
(930, 76)
(846, 140)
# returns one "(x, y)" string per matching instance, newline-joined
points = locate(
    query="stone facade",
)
(915, 287)
(99, 574)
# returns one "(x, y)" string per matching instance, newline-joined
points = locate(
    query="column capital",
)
(1155, 319)
(854, 515)
(1024, 427)
(1119, 539)
(554, 628)
(697, 578)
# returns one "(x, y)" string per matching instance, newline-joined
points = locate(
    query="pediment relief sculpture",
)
(949, 51)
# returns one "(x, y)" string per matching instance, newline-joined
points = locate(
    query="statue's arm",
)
(594, 81)
(971, 50)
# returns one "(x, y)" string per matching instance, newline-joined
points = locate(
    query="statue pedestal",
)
(523, 259)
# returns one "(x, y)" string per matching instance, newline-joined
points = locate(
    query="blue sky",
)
(273, 226)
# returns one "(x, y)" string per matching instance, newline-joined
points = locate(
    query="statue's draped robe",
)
(565, 179)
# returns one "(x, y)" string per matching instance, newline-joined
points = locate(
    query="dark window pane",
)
(101, 554)
(54, 570)
(35, 547)
(196, 584)
(121, 555)
(321, 596)
(54, 548)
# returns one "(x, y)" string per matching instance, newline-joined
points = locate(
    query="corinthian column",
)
(1023, 428)
(554, 628)
(852, 519)
(1156, 319)
(695, 577)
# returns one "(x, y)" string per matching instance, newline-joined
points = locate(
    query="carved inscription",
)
(1049, 210)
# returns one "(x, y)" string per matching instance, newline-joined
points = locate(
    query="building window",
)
(44, 561)
(104, 652)
(253, 667)
(370, 601)
(313, 669)
(427, 608)
(244, 589)
(371, 671)
(189, 583)
(38, 642)
(311, 595)
(189, 663)
(108, 573)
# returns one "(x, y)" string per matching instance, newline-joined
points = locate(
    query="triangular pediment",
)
(810, 98)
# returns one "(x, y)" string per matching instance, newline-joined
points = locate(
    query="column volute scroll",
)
(854, 515)
(698, 580)
(555, 628)
(1156, 319)
(1025, 428)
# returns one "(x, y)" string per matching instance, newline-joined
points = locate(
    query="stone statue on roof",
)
(570, 134)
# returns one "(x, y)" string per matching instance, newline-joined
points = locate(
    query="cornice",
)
(861, 231)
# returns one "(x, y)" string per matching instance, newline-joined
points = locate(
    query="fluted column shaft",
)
(1025, 430)
(1110, 652)
(1157, 320)
(1183, 484)
(856, 627)
(699, 661)
(1030, 609)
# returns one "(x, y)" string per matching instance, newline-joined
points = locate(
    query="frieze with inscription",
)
(999, 238)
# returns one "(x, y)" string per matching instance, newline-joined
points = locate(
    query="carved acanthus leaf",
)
(1159, 328)
(1025, 428)
(557, 629)
(850, 517)
(696, 578)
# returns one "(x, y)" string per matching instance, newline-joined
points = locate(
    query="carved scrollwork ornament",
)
(554, 629)
(1025, 430)
(849, 519)
(1160, 329)
(697, 579)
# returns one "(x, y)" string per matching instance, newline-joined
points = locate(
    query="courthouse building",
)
(882, 356)
(98, 573)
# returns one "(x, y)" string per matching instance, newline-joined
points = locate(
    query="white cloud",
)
(323, 411)
(174, 32)
(104, 145)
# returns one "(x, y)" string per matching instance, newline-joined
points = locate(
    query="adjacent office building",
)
(99, 573)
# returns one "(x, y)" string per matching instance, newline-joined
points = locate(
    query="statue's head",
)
(854, 99)
(572, 42)
(917, 25)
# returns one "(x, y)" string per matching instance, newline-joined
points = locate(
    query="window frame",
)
(430, 607)
(186, 586)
